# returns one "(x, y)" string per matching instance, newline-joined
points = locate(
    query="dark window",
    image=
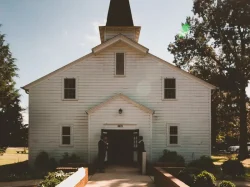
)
(69, 88)
(169, 89)
(173, 135)
(120, 64)
(66, 135)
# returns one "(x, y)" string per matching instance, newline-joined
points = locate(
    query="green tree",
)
(10, 110)
(217, 50)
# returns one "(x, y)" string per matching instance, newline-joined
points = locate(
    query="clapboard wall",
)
(96, 82)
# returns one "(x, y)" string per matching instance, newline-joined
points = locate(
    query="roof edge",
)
(120, 95)
(28, 86)
(186, 73)
(117, 38)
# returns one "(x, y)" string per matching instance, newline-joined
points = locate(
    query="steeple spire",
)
(120, 21)
(119, 13)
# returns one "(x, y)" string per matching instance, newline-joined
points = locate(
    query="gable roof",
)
(125, 98)
(189, 75)
(119, 38)
(119, 13)
(26, 87)
(110, 42)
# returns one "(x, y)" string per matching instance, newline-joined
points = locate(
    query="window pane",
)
(169, 94)
(173, 140)
(66, 131)
(69, 93)
(69, 83)
(119, 63)
(66, 140)
(169, 83)
(173, 130)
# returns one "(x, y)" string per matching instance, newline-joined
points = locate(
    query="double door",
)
(122, 146)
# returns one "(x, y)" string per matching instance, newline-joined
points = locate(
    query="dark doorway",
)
(121, 146)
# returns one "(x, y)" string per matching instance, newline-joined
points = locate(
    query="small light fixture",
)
(120, 111)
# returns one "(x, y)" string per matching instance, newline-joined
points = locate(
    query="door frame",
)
(136, 133)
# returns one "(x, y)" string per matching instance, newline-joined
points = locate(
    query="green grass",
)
(10, 156)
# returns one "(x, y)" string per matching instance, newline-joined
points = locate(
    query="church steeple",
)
(119, 13)
(120, 21)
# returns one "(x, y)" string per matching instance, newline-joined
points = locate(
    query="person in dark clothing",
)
(140, 149)
(102, 149)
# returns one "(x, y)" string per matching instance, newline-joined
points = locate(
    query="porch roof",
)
(124, 97)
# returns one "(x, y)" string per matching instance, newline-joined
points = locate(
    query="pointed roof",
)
(120, 38)
(125, 98)
(119, 13)
(109, 43)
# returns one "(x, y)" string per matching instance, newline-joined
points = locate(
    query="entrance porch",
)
(120, 117)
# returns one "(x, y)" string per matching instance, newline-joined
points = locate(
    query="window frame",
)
(76, 89)
(163, 89)
(124, 64)
(71, 136)
(169, 135)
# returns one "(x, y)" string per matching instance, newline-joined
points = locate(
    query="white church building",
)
(122, 90)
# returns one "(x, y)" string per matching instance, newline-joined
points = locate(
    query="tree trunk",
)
(243, 154)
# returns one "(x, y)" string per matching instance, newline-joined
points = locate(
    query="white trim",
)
(129, 42)
(46, 77)
(125, 59)
(120, 126)
(163, 89)
(178, 134)
(73, 179)
(210, 123)
(71, 135)
(119, 38)
(138, 105)
(183, 72)
(151, 137)
(89, 154)
(77, 88)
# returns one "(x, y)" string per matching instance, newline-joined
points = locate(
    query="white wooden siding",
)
(143, 84)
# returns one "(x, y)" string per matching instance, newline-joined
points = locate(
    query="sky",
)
(46, 35)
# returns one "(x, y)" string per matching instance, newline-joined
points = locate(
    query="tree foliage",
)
(10, 109)
(217, 50)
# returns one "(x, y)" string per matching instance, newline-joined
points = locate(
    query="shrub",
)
(172, 157)
(54, 178)
(203, 163)
(205, 179)
(226, 184)
(187, 175)
(43, 163)
(69, 159)
(233, 168)
(52, 164)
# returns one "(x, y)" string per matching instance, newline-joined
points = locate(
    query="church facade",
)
(120, 90)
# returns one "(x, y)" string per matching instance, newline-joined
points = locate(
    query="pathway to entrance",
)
(116, 176)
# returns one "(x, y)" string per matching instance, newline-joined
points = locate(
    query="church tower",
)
(119, 21)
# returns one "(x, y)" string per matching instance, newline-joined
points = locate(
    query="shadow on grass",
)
(18, 171)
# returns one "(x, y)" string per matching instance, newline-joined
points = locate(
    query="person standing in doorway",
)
(140, 149)
(102, 150)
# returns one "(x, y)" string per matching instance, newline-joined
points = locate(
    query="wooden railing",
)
(78, 179)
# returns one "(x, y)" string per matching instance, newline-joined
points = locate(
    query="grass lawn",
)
(10, 156)
(14, 166)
